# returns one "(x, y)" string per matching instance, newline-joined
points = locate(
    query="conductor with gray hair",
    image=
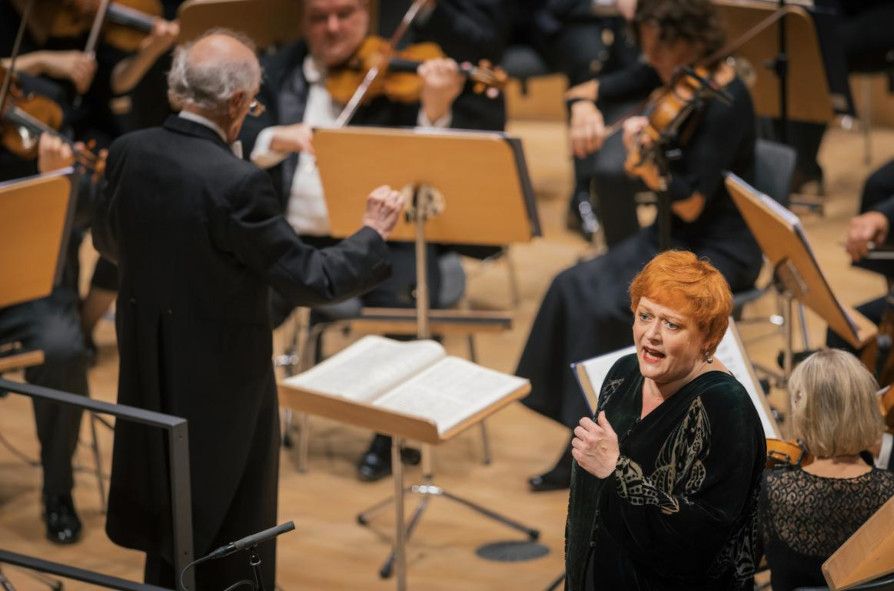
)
(199, 240)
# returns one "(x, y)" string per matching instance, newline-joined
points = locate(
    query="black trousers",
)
(52, 324)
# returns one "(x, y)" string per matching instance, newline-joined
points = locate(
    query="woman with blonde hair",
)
(808, 512)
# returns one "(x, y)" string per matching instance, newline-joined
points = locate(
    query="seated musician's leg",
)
(52, 325)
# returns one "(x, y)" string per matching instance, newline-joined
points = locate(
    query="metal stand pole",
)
(254, 561)
(399, 555)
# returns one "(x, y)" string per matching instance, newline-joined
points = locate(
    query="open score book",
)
(414, 378)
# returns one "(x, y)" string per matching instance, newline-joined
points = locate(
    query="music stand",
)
(311, 394)
(466, 187)
(867, 555)
(797, 74)
(266, 22)
(35, 220)
(799, 276)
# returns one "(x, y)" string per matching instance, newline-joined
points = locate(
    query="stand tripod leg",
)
(400, 558)
(388, 566)
(303, 440)
(364, 517)
(97, 462)
(532, 533)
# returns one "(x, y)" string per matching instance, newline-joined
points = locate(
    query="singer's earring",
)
(708, 357)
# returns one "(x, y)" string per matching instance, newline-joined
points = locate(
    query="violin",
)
(398, 80)
(26, 116)
(127, 22)
(786, 454)
(886, 405)
(668, 110)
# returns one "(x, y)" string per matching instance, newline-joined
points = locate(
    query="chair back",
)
(774, 166)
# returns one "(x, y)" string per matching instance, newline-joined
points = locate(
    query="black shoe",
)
(375, 464)
(581, 217)
(63, 525)
(556, 479)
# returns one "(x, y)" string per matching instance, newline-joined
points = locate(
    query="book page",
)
(450, 391)
(369, 367)
(731, 354)
(595, 370)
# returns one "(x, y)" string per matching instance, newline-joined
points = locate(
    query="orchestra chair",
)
(522, 63)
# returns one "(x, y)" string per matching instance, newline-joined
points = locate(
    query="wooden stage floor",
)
(329, 550)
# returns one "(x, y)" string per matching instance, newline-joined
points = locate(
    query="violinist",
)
(868, 231)
(297, 99)
(592, 294)
(52, 325)
(807, 513)
(607, 79)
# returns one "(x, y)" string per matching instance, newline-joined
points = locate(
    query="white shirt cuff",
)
(261, 155)
(442, 123)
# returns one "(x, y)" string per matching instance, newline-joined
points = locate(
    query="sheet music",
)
(368, 368)
(729, 352)
(450, 391)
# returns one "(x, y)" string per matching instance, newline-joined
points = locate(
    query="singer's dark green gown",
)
(679, 511)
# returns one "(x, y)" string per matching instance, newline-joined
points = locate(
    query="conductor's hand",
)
(292, 138)
(595, 446)
(383, 207)
(442, 82)
(587, 129)
(53, 153)
(864, 232)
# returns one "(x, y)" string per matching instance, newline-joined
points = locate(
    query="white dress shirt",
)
(236, 146)
(306, 210)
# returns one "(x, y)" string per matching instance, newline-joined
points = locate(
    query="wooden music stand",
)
(866, 555)
(316, 392)
(468, 187)
(266, 22)
(814, 79)
(35, 219)
(799, 277)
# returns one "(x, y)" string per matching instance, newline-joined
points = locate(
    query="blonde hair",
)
(834, 406)
(680, 280)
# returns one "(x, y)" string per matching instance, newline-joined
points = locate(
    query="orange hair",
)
(693, 287)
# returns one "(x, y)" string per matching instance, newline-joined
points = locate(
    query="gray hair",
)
(210, 84)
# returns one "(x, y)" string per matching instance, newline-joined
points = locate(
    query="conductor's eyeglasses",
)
(256, 108)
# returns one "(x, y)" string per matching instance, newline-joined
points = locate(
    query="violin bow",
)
(93, 39)
(351, 107)
(16, 48)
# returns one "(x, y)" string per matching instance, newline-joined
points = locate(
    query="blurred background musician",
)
(607, 78)
(205, 289)
(867, 231)
(297, 99)
(808, 512)
(863, 31)
(592, 294)
(52, 325)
